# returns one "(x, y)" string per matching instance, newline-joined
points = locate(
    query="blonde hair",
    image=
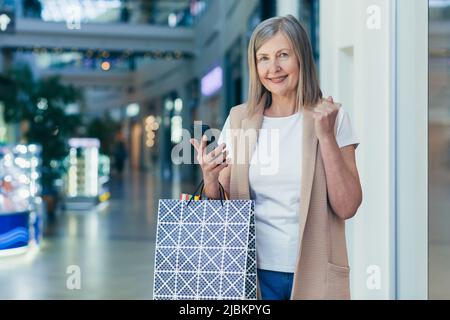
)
(308, 88)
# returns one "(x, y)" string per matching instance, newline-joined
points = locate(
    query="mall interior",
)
(95, 94)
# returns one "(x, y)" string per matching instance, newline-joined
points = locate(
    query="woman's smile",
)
(278, 80)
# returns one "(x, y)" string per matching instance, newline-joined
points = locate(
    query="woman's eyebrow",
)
(265, 54)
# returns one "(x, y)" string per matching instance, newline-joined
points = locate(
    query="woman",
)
(294, 154)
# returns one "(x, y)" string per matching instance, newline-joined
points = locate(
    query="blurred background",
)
(94, 94)
(439, 150)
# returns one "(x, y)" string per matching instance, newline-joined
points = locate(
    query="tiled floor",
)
(113, 246)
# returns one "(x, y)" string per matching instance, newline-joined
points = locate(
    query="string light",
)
(105, 66)
(151, 126)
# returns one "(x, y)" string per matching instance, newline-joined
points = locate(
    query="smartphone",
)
(198, 130)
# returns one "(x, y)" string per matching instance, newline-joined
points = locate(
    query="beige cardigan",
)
(322, 270)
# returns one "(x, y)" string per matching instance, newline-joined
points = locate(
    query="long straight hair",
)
(308, 88)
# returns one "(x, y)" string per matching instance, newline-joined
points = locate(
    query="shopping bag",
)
(205, 249)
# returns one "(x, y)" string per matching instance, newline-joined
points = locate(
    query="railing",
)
(180, 13)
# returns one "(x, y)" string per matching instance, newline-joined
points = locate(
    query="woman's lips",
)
(277, 79)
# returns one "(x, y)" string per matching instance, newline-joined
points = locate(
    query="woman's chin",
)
(279, 91)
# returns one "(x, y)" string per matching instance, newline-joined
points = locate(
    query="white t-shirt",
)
(274, 178)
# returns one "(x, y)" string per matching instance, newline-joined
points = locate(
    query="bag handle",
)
(223, 195)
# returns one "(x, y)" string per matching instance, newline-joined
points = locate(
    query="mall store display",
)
(21, 208)
(87, 174)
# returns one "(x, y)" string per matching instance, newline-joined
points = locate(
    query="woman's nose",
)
(274, 66)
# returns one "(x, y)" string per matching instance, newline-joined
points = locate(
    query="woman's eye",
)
(283, 54)
(262, 58)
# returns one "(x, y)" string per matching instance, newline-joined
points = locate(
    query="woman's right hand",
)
(211, 163)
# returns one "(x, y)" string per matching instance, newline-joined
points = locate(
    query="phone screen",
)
(198, 130)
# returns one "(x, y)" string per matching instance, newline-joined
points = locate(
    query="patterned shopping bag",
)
(205, 249)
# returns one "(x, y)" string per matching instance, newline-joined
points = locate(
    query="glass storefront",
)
(233, 75)
(309, 17)
(439, 149)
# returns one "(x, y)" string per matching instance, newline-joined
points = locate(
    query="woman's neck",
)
(281, 106)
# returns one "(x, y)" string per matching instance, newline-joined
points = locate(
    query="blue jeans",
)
(275, 285)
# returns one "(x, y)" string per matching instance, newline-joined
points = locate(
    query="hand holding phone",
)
(199, 130)
(212, 162)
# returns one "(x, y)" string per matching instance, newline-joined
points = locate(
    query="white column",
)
(412, 149)
(355, 48)
(374, 61)
(285, 7)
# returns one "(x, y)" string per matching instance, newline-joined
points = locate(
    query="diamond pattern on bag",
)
(233, 286)
(214, 213)
(236, 235)
(168, 234)
(235, 260)
(164, 284)
(188, 259)
(186, 284)
(213, 235)
(165, 258)
(193, 213)
(169, 211)
(190, 235)
(211, 259)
